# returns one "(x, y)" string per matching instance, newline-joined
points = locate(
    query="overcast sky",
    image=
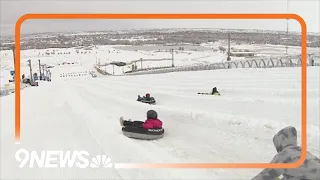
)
(11, 10)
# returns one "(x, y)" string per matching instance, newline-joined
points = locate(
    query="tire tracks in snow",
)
(186, 125)
(73, 113)
(184, 150)
(148, 145)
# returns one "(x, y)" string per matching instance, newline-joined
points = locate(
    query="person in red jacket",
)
(152, 121)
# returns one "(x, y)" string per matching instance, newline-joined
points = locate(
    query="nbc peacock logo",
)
(101, 160)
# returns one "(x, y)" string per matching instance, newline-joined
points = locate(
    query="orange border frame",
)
(179, 16)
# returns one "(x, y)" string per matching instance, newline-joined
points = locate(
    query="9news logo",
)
(61, 159)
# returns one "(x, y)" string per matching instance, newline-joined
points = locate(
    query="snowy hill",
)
(235, 127)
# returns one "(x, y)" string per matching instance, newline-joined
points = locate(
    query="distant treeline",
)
(162, 38)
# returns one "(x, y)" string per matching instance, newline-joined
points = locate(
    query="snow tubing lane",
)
(144, 134)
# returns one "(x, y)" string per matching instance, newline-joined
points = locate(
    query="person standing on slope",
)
(285, 142)
(152, 121)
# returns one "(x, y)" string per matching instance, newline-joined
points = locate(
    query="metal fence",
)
(289, 61)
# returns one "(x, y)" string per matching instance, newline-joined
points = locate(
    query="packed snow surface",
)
(82, 113)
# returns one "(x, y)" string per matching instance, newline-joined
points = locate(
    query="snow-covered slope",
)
(237, 126)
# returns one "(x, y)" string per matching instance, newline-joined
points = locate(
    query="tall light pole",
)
(43, 70)
(40, 69)
(14, 61)
(228, 58)
(172, 57)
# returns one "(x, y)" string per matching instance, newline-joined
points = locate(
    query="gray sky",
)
(11, 10)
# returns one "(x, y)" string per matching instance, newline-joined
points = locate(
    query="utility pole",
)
(228, 58)
(172, 54)
(14, 61)
(40, 69)
(43, 75)
(31, 78)
(47, 75)
(113, 69)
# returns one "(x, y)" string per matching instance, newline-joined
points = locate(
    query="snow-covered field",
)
(81, 113)
(88, 57)
(103, 54)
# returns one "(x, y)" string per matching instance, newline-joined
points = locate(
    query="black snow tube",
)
(144, 134)
(151, 101)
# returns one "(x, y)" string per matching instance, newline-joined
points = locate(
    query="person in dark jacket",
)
(152, 121)
(215, 91)
(147, 97)
(285, 142)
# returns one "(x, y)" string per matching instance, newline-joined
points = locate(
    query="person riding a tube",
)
(147, 97)
(152, 121)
